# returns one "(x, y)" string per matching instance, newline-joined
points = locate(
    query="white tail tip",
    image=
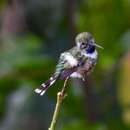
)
(43, 92)
(37, 90)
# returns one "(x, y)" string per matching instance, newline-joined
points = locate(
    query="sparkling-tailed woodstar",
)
(76, 62)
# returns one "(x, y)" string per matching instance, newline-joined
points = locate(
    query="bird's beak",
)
(98, 46)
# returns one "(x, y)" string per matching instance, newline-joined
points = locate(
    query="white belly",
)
(76, 75)
(70, 59)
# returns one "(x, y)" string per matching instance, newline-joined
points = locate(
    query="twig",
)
(60, 97)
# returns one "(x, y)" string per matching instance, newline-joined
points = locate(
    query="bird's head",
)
(86, 42)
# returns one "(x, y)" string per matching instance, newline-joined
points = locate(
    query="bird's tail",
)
(44, 86)
(42, 89)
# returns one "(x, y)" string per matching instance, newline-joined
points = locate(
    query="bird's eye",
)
(83, 43)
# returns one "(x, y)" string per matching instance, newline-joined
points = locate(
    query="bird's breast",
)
(84, 69)
(71, 60)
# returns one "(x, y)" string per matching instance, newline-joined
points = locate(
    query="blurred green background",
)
(33, 33)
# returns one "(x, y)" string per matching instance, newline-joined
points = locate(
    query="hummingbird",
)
(75, 63)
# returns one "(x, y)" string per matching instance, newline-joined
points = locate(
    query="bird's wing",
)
(66, 61)
(68, 71)
(62, 64)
